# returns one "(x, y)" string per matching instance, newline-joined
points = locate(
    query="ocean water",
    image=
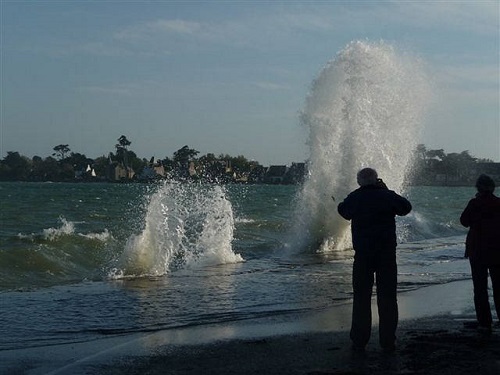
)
(80, 262)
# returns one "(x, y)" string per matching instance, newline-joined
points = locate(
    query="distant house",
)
(257, 174)
(118, 172)
(275, 174)
(152, 171)
(295, 174)
(192, 169)
(159, 170)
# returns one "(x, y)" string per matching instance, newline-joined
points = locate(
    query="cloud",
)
(140, 88)
(177, 26)
(273, 28)
(278, 26)
(481, 17)
(159, 27)
(270, 86)
(472, 77)
(310, 21)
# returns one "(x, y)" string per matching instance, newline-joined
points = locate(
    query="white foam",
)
(365, 109)
(243, 220)
(185, 225)
(66, 228)
(103, 236)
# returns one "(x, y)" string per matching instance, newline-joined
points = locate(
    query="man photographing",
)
(372, 209)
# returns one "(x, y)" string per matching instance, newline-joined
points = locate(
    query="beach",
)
(432, 339)
(436, 345)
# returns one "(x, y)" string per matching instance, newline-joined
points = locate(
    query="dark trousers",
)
(481, 301)
(379, 266)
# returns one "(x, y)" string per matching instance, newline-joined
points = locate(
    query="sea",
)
(81, 262)
(84, 261)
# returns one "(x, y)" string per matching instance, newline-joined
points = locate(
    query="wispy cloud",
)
(275, 26)
(271, 86)
(469, 76)
(177, 26)
(474, 16)
(274, 29)
(160, 26)
(140, 88)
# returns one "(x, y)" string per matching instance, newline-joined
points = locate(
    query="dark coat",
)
(482, 216)
(372, 210)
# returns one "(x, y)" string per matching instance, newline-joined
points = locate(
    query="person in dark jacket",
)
(482, 247)
(372, 209)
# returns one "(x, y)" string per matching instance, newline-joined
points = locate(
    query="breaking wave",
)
(185, 225)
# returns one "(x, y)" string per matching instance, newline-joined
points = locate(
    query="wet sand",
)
(437, 345)
(432, 339)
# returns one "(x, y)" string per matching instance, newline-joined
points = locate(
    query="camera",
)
(381, 183)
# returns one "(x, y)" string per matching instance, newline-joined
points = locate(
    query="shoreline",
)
(431, 333)
(427, 346)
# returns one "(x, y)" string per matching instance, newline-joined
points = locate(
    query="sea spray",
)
(67, 228)
(185, 224)
(365, 109)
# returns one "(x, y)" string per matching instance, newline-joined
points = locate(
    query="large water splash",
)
(185, 225)
(364, 109)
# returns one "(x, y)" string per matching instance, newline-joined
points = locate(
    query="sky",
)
(228, 77)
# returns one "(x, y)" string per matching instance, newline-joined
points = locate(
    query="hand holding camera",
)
(381, 184)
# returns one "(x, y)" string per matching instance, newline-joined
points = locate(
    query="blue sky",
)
(227, 76)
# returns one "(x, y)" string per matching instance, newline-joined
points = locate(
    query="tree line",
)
(66, 165)
(430, 167)
(436, 167)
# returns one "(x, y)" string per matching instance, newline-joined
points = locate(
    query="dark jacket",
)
(482, 216)
(372, 210)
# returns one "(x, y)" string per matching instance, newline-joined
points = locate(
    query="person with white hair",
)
(372, 209)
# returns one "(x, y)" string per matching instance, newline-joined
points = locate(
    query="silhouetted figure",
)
(482, 247)
(372, 209)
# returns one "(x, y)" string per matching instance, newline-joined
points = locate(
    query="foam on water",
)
(103, 236)
(185, 225)
(365, 109)
(66, 228)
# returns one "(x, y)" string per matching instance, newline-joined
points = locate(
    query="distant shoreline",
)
(454, 184)
(429, 168)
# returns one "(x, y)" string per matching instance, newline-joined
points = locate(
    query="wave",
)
(417, 227)
(364, 110)
(66, 229)
(185, 225)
